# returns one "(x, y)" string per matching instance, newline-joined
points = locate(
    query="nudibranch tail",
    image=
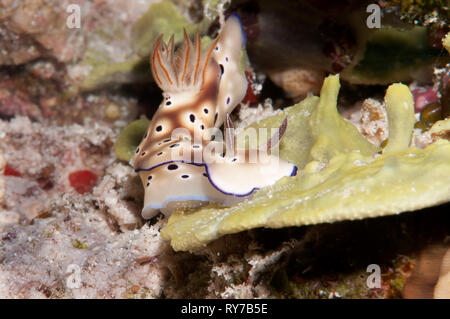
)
(244, 170)
(200, 89)
(227, 53)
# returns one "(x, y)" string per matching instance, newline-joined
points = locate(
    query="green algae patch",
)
(129, 139)
(316, 131)
(392, 54)
(78, 244)
(348, 189)
(356, 190)
(338, 179)
(162, 18)
(117, 73)
(332, 133)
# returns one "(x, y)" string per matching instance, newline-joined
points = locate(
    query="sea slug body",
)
(178, 161)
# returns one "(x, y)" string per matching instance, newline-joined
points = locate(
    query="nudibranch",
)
(178, 160)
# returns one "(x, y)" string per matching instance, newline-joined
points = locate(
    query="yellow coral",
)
(400, 111)
(341, 178)
(446, 42)
(129, 139)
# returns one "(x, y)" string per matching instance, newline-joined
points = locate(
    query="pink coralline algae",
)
(424, 96)
(82, 181)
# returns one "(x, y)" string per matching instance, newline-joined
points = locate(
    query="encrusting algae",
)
(341, 176)
(129, 139)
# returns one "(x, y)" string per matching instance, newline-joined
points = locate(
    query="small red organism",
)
(82, 181)
(252, 95)
(424, 96)
(9, 171)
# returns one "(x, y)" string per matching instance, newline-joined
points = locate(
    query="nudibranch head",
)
(183, 70)
(177, 160)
